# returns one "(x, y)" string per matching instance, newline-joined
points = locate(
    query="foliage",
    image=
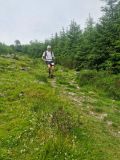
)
(97, 47)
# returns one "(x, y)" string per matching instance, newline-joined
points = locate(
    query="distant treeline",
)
(95, 47)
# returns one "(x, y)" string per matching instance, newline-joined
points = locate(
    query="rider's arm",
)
(53, 55)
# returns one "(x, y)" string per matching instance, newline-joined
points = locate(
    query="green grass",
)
(40, 121)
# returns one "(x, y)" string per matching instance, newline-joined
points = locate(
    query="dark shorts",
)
(50, 63)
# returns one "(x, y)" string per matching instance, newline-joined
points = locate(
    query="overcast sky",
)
(38, 19)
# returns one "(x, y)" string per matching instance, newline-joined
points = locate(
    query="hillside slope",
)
(53, 119)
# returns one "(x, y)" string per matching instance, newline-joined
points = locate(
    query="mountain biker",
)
(48, 57)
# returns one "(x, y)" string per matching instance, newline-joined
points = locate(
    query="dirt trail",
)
(53, 82)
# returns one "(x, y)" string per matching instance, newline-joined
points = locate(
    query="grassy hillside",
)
(54, 119)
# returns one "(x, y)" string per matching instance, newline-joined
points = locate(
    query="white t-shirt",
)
(49, 55)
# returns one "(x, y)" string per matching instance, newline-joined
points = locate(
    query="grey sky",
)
(38, 19)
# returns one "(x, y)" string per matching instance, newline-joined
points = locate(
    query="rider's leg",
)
(49, 69)
(52, 70)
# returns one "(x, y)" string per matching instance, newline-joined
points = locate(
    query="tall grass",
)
(102, 81)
